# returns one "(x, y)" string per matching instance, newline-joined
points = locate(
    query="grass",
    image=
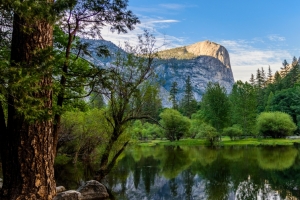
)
(225, 142)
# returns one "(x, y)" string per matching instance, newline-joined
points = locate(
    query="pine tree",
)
(258, 79)
(277, 81)
(263, 77)
(173, 94)
(284, 69)
(252, 80)
(270, 76)
(188, 104)
(295, 61)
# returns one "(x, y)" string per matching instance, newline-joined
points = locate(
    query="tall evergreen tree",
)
(277, 81)
(252, 80)
(173, 94)
(270, 76)
(284, 68)
(295, 61)
(26, 136)
(188, 104)
(260, 91)
(263, 77)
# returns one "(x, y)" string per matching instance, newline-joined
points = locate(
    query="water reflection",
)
(195, 173)
(239, 173)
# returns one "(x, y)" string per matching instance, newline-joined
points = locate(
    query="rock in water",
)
(60, 189)
(93, 190)
(68, 195)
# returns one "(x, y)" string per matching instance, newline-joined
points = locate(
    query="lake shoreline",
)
(224, 142)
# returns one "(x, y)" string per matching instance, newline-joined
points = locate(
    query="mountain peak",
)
(204, 48)
(208, 48)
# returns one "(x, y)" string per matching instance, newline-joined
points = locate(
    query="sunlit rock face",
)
(204, 62)
(208, 48)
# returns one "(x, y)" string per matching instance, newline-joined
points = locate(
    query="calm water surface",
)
(228, 173)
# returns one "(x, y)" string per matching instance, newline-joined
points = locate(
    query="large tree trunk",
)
(27, 147)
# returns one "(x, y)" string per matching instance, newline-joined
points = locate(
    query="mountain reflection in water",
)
(229, 173)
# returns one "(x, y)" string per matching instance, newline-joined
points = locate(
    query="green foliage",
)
(173, 93)
(62, 159)
(269, 102)
(151, 104)
(96, 101)
(215, 106)
(209, 133)
(233, 132)
(145, 130)
(83, 132)
(287, 101)
(175, 125)
(243, 106)
(275, 124)
(188, 104)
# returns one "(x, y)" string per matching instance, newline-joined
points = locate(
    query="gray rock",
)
(60, 189)
(68, 195)
(202, 70)
(93, 190)
(1, 183)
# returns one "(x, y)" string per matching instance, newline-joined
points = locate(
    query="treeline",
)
(267, 105)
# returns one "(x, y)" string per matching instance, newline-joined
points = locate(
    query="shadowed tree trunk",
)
(27, 145)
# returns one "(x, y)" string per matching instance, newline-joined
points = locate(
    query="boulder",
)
(93, 190)
(68, 195)
(60, 189)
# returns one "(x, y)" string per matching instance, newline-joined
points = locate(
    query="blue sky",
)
(257, 33)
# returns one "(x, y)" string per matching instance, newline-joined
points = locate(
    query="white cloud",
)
(172, 6)
(154, 25)
(246, 59)
(276, 38)
(165, 21)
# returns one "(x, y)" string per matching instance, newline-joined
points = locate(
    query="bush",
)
(175, 125)
(145, 131)
(275, 124)
(233, 132)
(209, 133)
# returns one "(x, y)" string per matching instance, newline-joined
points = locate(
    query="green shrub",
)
(233, 132)
(209, 133)
(275, 124)
(175, 125)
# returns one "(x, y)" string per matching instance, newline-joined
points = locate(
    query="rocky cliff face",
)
(208, 48)
(202, 69)
(203, 61)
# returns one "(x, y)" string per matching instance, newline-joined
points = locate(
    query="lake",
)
(168, 172)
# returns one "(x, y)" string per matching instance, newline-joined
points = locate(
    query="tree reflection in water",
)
(204, 173)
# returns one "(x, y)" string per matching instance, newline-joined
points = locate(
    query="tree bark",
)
(27, 147)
